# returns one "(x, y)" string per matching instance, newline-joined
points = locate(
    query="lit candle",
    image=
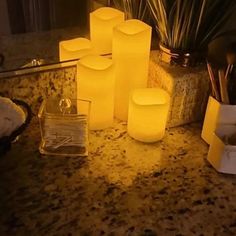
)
(131, 50)
(74, 49)
(95, 82)
(148, 113)
(102, 22)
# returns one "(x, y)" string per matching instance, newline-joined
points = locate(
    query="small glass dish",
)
(64, 127)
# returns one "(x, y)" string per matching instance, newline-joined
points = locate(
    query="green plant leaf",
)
(189, 25)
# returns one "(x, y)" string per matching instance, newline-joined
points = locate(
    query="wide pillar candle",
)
(74, 49)
(148, 113)
(131, 50)
(95, 82)
(102, 22)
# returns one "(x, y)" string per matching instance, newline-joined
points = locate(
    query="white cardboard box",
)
(222, 156)
(217, 114)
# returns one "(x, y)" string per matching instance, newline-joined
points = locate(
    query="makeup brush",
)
(230, 74)
(231, 59)
(223, 87)
(213, 82)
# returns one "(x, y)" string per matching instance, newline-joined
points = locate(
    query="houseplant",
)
(134, 9)
(186, 27)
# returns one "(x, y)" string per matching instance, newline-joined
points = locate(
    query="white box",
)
(216, 114)
(222, 156)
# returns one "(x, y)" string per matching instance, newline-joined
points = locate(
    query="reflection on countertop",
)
(122, 188)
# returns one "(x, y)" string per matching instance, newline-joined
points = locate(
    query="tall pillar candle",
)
(102, 22)
(74, 49)
(148, 113)
(131, 50)
(95, 82)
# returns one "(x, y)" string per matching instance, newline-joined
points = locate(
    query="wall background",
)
(4, 20)
(217, 48)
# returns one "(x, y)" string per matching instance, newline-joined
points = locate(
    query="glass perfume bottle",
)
(64, 127)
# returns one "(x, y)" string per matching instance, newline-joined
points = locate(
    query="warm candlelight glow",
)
(95, 82)
(148, 113)
(74, 48)
(102, 22)
(131, 49)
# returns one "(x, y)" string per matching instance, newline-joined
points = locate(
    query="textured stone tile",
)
(188, 88)
(33, 88)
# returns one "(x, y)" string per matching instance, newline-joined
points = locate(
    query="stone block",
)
(188, 87)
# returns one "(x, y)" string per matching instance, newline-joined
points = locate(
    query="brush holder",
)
(216, 114)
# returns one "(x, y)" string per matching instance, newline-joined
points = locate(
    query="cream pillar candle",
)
(148, 113)
(74, 48)
(102, 22)
(95, 82)
(131, 49)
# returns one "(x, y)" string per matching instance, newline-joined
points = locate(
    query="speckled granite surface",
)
(122, 188)
(33, 88)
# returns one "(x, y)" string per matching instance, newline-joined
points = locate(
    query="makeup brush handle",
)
(228, 71)
(223, 87)
(213, 83)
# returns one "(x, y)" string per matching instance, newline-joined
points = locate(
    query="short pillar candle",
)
(102, 22)
(74, 49)
(131, 50)
(95, 82)
(148, 113)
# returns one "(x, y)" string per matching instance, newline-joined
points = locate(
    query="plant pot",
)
(178, 57)
(217, 114)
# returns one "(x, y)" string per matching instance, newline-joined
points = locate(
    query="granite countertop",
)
(122, 188)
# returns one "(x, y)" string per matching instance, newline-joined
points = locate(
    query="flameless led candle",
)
(74, 48)
(148, 113)
(131, 50)
(95, 82)
(102, 22)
